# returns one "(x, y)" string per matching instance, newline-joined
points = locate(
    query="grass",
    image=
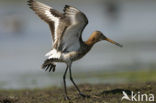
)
(128, 76)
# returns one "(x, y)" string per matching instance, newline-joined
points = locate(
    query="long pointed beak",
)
(113, 42)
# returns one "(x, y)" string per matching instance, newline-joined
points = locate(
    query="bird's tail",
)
(49, 64)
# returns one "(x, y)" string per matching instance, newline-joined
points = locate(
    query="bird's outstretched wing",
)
(66, 27)
(71, 37)
(48, 14)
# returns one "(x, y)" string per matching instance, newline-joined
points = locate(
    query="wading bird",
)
(66, 29)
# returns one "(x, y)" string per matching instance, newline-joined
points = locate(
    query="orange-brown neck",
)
(92, 39)
(90, 42)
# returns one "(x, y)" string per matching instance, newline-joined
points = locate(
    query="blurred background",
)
(25, 39)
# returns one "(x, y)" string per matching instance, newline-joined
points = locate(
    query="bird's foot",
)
(84, 95)
(66, 98)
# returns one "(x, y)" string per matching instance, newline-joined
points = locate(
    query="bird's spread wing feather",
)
(48, 14)
(66, 27)
(70, 40)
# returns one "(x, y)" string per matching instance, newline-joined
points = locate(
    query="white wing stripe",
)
(53, 54)
(56, 23)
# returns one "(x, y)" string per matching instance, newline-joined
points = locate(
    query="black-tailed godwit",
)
(66, 29)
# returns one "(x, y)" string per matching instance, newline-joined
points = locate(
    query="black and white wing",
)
(71, 38)
(48, 14)
(66, 28)
(53, 18)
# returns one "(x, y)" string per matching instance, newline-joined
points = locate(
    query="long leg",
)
(71, 78)
(64, 82)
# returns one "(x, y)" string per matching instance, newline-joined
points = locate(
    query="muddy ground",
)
(100, 93)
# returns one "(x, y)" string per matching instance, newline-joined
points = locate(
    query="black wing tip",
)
(55, 13)
(66, 7)
(69, 8)
(29, 2)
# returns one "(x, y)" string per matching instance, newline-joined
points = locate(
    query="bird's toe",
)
(66, 98)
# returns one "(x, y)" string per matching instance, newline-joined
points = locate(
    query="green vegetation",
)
(128, 76)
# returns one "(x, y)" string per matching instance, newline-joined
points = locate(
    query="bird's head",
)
(99, 36)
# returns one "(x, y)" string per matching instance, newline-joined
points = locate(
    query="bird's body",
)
(68, 56)
(66, 29)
